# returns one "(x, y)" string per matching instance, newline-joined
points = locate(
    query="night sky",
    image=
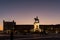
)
(24, 11)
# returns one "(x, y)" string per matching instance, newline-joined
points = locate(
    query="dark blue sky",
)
(24, 11)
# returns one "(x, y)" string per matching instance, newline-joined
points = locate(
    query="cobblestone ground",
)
(32, 37)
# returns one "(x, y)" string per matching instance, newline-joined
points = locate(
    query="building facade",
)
(8, 26)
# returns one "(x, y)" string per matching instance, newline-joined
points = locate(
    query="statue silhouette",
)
(36, 19)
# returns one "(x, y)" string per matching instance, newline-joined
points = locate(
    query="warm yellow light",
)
(1, 28)
(36, 27)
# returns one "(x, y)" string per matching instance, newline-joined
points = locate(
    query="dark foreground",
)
(31, 37)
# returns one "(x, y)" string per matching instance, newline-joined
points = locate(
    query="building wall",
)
(23, 28)
(51, 28)
(8, 26)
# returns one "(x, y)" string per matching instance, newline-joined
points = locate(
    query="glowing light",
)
(1, 28)
(36, 25)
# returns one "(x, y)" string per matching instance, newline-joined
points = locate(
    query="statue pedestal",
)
(36, 27)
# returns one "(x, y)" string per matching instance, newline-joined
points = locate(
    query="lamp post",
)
(11, 35)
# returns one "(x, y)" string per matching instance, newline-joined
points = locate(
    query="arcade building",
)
(36, 27)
